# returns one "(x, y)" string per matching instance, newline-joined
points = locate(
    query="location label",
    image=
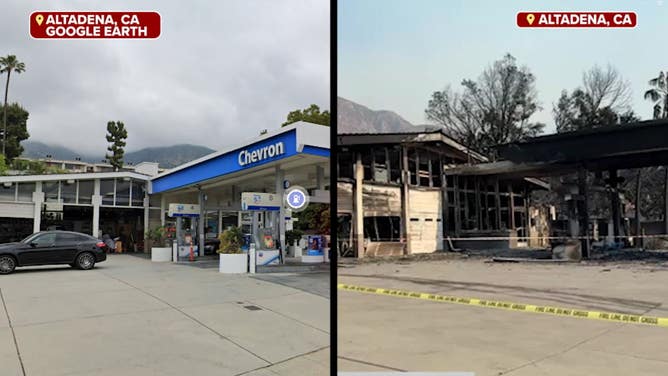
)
(95, 25)
(577, 19)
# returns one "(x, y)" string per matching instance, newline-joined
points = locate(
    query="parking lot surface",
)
(392, 333)
(130, 316)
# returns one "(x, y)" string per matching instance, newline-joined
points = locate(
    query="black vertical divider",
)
(332, 189)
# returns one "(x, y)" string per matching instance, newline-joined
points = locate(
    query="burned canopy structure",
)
(604, 151)
(396, 196)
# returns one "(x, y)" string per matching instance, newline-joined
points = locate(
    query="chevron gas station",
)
(247, 186)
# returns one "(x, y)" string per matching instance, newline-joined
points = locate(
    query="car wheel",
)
(7, 264)
(85, 261)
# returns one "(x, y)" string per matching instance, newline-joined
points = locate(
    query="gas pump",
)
(187, 217)
(246, 226)
(259, 222)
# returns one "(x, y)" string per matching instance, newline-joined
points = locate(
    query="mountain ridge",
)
(166, 156)
(356, 118)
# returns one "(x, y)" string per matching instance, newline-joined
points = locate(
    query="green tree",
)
(3, 165)
(32, 167)
(311, 115)
(8, 64)
(17, 130)
(116, 135)
(314, 217)
(602, 99)
(492, 110)
(659, 95)
(37, 167)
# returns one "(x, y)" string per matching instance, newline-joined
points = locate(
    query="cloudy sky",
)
(393, 54)
(221, 72)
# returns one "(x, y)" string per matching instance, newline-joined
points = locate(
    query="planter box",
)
(233, 263)
(161, 254)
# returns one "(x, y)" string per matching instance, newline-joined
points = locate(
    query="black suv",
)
(52, 247)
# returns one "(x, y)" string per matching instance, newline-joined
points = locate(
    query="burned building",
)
(396, 196)
(596, 157)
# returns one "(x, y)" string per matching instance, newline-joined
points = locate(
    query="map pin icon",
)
(39, 18)
(530, 18)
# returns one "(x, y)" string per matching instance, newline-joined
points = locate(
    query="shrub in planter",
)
(157, 236)
(232, 260)
(160, 248)
(230, 241)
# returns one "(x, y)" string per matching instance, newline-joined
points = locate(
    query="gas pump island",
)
(265, 215)
(260, 223)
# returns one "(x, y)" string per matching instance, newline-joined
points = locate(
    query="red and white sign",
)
(576, 19)
(95, 25)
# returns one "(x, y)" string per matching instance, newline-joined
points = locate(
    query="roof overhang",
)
(74, 176)
(626, 146)
(296, 141)
(408, 138)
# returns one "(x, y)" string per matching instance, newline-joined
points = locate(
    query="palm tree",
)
(8, 64)
(659, 95)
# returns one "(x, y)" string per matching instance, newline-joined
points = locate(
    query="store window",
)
(380, 170)
(367, 161)
(394, 158)
(423, 172)
(68, 192)
(25, 191)
(382, 229)
(344, 236)
(154, 201)
(86, 191)
(107, 191)
(50, 189)
(436, 171)
(15, 229)
(345, 164)
(412, 166)
(8, 193)
(122, 192)
(138, 190)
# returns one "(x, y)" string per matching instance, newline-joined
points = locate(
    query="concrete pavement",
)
(384, 332)
(130, 316)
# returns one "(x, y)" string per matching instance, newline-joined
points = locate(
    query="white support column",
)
(220, 221)
(163, 205)
(236, 198)
(202, 218)
(38, 200)
(320, 177)
(146, 219)
(280, 175)
(358, 208)
(96, 200)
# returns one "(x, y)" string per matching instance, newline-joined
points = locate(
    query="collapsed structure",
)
(409, 192)
(395, 196)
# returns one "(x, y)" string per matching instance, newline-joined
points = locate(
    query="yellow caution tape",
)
(570, 312)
